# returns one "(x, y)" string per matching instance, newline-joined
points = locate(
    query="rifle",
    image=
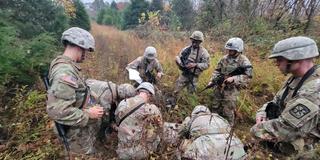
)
(62, 129)
(220, 79)
(150, 77)
(185, 61)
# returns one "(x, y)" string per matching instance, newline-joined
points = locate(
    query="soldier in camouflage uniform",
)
(296, 126)
(68, 95)
(146, 65)
(205, 136)
(108, 95)
(139, 124)
(192, 61)
(225, 94)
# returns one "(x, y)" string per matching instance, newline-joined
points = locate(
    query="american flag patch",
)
(69, 80)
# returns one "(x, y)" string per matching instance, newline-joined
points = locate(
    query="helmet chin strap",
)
(288, 68)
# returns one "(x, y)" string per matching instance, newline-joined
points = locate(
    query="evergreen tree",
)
(156, 5)
(33, 17)
(112, 17)
(184, 10)
(81, 18)
(114, 5)
(134, 12)
(100, 17)
(98, 5)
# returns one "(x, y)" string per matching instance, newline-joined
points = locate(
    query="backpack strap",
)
(129, 113)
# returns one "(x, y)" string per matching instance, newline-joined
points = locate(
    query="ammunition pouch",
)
(273, 110)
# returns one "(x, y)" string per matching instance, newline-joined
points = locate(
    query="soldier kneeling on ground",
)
(291, 120)
(207, 135)
(139, 124)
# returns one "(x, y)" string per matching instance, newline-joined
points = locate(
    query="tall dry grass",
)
(115, 49)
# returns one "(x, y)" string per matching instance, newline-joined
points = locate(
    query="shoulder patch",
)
(299, 111)
(69, 80)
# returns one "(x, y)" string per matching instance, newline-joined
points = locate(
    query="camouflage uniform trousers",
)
(82, 140)
(184, 81)
(227, 101)
(136, 150)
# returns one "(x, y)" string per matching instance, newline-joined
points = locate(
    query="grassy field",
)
(29, 129)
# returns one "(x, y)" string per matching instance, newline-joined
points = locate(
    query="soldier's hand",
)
(229, 80)
(95, 112)
(159, 75)
(209, 83)
(191, 65)
(260, 119)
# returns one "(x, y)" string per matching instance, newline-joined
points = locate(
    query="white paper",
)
(134, 75)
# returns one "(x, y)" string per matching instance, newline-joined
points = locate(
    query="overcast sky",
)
(109, 1)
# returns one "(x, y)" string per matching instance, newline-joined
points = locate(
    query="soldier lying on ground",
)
(206, 136)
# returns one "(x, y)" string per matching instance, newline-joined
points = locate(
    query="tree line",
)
(284, 14)
(30, 33)
(253, 20)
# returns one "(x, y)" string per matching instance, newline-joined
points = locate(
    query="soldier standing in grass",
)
(192, 61)
(226, 93)
(69, 97)
(139, 125)
(291, 120)
(206, 135)
(146, 65)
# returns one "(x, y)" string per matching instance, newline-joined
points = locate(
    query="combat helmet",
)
(146, 86)
(126, 90)
(150, 53)
(295, 48)
(235, 43)
(197, 35)
(200, 109)
(79, 37)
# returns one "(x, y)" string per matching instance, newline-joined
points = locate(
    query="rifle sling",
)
(129, 113)
(84, 98)
(304, 78)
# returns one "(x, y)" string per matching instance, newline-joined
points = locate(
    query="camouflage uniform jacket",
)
(65, 97)
(105, 93)
(207, 138)
(140, 64)
(300, 117)
(138, 133)
(66, 93)
(202, 61)
(227, 64)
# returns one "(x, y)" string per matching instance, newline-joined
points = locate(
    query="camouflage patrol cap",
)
(79, 37)
(235, 43)
(146, 86)
(295, 48)
(197, 35)
(150, 53)
(126, 90)
(200, 109)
